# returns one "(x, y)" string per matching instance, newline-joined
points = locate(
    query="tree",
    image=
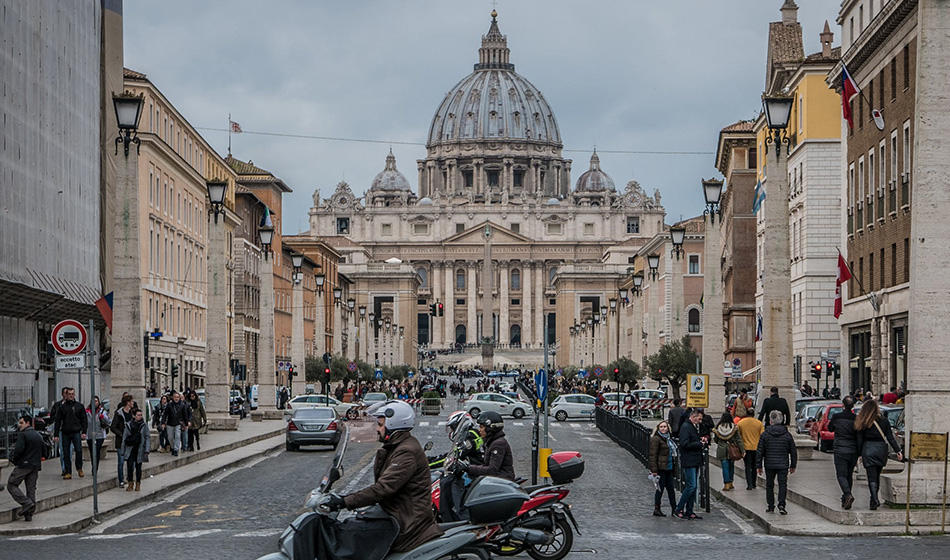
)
(628, 373)
(672, 362)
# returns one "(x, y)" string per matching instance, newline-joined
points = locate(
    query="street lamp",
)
(362, 313)
(389, 324)
(372, 318)
(217, 189)
(128, 111)
(777, 111)
(712, 192)
(350, 303)
(297, 260)
(267, 237)
(613, 306)
(320, 280)
(603, 311)
(637, 283)
(590, 322)
(624, 296)
(677, 236)
(337, 294)
(653, 261)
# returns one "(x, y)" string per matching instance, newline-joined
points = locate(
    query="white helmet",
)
(399, 416)
(458, 424)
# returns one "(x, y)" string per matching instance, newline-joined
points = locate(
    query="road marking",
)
(112, 536)
(352, 485)
(740, 523)
(574, 425)
(260, 533)
(423, 423)
(175, 512)
(190, 534)
(690, 536)
(35, 538)
(518, 423)
(442, 423)
(620, 536)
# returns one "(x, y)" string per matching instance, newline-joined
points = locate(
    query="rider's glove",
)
(461, 466)
(336, 503)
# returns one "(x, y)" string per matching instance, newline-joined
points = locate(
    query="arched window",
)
(460, 335)
(423, 277)
(516, 335)
(693, 320)
(460, 279)
(516, 279)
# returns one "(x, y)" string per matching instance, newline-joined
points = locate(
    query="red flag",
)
(235, 127)
(104, 305)
(844, 274)
(849, 89)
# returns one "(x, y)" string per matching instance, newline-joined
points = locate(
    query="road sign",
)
(582, 373)
(71, 361)
(560, 371)
(351, 366)
(736, 362)
(379, 374)
(541, 382)
(736, 372)
(69, 337)
(598, 371)
(697, 390)
(727, 368)
(410, 375)
(834, 353)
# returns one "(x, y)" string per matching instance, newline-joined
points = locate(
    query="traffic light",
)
(174, 369)
(432, 310)
(616, 373)
(441, 309)
(290, 373)
(816, 370)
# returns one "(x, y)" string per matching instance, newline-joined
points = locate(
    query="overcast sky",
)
(630, 75)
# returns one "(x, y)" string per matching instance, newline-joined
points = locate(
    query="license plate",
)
(313, 426)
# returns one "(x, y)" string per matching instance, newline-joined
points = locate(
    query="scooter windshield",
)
(336, 467)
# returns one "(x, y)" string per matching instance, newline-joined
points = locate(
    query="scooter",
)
(491, 499)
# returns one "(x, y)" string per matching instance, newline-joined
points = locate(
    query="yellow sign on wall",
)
(697, 390)
(928, 447)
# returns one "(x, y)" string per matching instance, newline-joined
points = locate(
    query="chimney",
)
(826, 39)
(789, 12)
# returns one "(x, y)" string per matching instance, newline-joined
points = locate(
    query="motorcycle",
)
(370, 532)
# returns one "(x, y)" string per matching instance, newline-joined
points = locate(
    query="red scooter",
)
(544, 518)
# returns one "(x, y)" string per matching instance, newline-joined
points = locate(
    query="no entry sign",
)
(69, 337)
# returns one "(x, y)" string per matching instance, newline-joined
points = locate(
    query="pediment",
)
(476, 235)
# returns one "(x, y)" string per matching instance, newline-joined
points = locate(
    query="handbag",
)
(735, 453)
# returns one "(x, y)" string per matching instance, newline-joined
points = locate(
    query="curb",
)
(88, 520)
(53, 502)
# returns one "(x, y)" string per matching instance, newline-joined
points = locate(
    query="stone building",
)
(493, 189)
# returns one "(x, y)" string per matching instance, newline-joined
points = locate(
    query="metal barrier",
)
(13, 401)
(635, 438)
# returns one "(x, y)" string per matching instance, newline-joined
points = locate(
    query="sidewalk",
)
(814, 504)
(65, 506)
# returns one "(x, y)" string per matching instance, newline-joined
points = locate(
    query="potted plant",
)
(431, 403)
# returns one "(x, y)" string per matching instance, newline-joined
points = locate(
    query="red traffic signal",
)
(616, 370)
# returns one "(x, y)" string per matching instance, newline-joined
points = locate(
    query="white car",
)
(481, 402)
(369, 399)
(345, 410)
(573, 406)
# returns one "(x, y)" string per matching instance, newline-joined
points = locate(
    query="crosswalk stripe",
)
(518, 423)
(190, 534)
(423, 423)
(260, 533)
(442, 423)
(575, 425)
(111, 536)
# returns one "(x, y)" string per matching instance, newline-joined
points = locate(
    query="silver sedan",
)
(314, 426)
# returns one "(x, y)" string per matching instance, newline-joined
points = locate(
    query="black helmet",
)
(492, 421)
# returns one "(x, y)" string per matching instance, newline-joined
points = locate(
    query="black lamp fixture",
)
(362, 312)
(603, 311)
(217, 190)
(389, 324)
(624, 296)
(637, 284)
(337, 294)
(712, 192)
(596, 317)
(297, 260)
(613, 306)
(677, 236)
(266, 234)
(590, 323)
(320, 279)
(350, 304)
(372, 318)
(128, 111)
(778, 109)
(653, 261)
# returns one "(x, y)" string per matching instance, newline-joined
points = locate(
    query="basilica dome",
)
(390, 179)
(594, 179)
(494, 102)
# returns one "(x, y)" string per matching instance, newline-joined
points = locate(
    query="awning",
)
(48, 299)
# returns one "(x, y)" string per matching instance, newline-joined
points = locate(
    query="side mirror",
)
(428, 446)
(335, 474)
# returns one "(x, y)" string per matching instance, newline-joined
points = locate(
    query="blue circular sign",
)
(598, 371)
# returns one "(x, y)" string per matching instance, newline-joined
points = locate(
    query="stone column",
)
(527, 309)
(777, 369)
(713, 343)
(503, 304)
(298, 353)
(540, 281)
(437, 284)
(448, 323)
(128, 334)
(675, 268)
(337, 312)
(267, 386)
(927, 350)
(472, 304)
(488, 301)
(320, 325)
(217, 390)
(877, 379)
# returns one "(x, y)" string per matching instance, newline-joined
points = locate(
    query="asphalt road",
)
(239, 515)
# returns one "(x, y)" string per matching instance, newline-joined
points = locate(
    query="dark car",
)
(314, 426)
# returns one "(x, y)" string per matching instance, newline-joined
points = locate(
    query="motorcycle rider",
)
(402, 482)
(498, 460)
(466, 441)
(467, 446)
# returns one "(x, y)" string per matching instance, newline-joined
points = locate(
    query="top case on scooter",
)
(493, 500)
(565, 466)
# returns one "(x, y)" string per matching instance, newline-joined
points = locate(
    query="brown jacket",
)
(402, 489)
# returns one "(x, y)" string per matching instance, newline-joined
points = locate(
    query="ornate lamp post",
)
(266, 375)
(217, 190)
(217, 388)
(298, 354)
(653, 261)
(677, 237)
(713, 343)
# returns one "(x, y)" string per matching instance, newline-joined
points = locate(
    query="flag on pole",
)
(104, 305)
(758, 328)
(266, 221)
(849, 90)
(758, 198)
(235, 127)
(844, 274)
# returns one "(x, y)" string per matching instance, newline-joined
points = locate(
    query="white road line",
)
(518, 423)
(35, 538)
(260, 533)
(442, 423)
(574, 425)
(356, 479)
(740, 523)
(112, 536)
(190, 534)
(620, 536)
(423, 423)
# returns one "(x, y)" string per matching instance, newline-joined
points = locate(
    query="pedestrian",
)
(846, 449)
(660, 461)
(27, 460)
(121, 417)
(198, 420)
(774, 402)
(750, 428)
(691, 447)
(136, 444)
(171, 422)
(889, 397)
(675, 417)
(741, 405)
(777, 453)
(52, 418)
(72, 426)
(729, 449)
(98, 421)
(156, 422)
(873, 434)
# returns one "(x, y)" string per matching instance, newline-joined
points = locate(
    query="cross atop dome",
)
(494, 52)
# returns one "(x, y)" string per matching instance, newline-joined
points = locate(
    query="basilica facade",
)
(494, 232)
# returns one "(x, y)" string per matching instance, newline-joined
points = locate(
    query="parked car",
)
(369, 399)
(807, 414)
(615, 399)
(347, 410)
(573, 406)
(515, 396)
(819, 428)
(313, 426)
(480, 402)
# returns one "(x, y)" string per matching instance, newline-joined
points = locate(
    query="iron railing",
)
(14, 401)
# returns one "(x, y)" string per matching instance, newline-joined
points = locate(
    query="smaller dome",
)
(553, 201)
(390, 179)
(594, 179)
(425, 201)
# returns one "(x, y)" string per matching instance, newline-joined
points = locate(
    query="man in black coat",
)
(846, 449)
(776, 446)
(675, 417)
(691, 446)
(27, 462)
(774, 402)
(72, 425)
